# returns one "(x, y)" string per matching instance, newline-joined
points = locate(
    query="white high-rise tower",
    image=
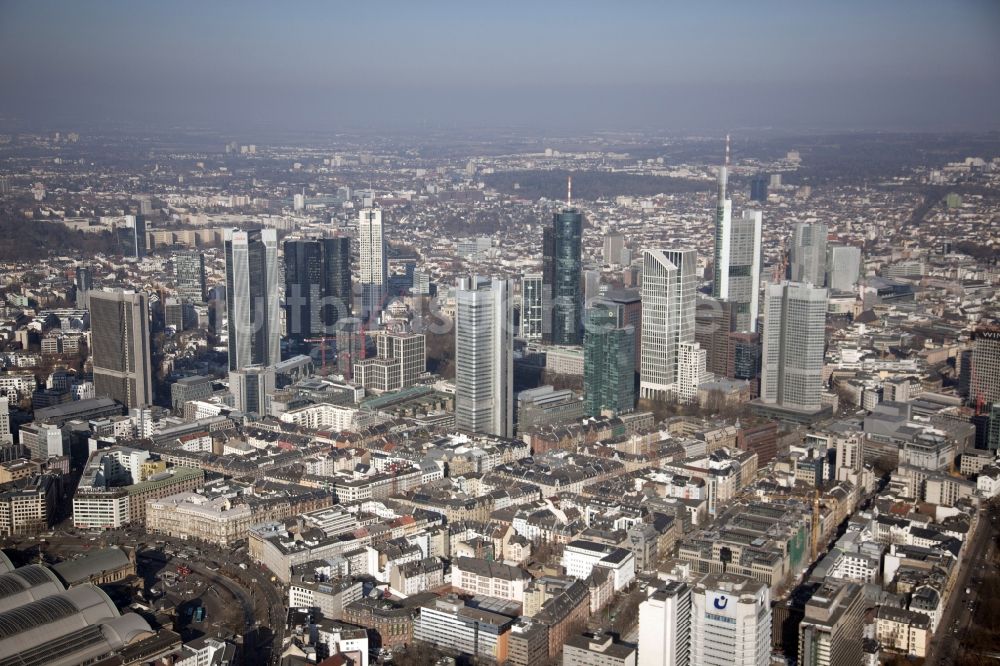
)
(665, 626)
(669, 283)
(373, 262)
(484, 345)
(730, 621)
(723, 229)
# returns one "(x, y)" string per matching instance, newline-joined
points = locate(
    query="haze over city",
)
(894, 65)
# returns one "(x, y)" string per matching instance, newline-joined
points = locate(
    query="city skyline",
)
(523, 334)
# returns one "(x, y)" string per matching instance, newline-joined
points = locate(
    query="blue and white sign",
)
(720, 603)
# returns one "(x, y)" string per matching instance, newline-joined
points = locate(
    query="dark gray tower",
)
(317, 285)
(562, 264)
(119, 324)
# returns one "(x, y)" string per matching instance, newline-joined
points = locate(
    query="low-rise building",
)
(599, 649)
(581, 556)
(30, 505)
(902, 630)
(492, 579)
(453, 626)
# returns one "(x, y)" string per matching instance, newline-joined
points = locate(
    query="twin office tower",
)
(318, 287)
(318, 296)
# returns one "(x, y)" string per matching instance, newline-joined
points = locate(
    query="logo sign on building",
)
(719, 603)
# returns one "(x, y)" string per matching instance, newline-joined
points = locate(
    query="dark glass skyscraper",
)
(303, 288)
(562, 267)
(337, 278)
(608, 362)
(317, 285)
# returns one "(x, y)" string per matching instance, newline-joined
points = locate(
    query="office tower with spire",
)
(723, 230)
(252, 300)
(608, 362)
(84, 283)
(669, 284)
(807, 256)
(119, 329)
(132, 236)
(317, 285)
(189, 271)
(737, 257)
(563, 251)
(372, 263)
(794, 342)
(484, 374)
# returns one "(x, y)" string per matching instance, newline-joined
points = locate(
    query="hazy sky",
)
(840, 64)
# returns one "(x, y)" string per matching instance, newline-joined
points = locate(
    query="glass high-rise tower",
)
(317, 285)
(252, 301)
(744, 270)
(608, 362)
(807, 257)
(533, 306)
(723, 229)
(563, 264)
(843, 267)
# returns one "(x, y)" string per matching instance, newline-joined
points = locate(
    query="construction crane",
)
(324, 345)
(322, 348)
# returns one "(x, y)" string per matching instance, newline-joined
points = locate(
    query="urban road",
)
(262, 605)
(957, 617)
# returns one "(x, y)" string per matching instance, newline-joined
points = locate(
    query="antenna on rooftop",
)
(727, 150)
(569, 191)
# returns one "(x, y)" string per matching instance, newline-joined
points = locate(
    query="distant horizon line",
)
(11, 123)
